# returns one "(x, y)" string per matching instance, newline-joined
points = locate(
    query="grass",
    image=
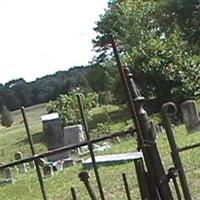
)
(14, 139)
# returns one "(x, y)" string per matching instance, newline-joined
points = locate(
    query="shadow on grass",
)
(38, 137)
(115, 117)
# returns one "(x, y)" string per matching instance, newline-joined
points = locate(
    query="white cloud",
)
(43, 36)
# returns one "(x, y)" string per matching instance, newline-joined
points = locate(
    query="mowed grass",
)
(14, 139)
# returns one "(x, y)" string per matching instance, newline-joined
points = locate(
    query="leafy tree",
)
(172, 71)
(6, 118)
(161, 50)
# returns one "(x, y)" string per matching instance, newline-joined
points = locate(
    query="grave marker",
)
(8, 177)
(22, 167)
(53, 130)
(190, 116)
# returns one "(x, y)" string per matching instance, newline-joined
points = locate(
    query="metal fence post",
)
(90, 146)
(33, 153)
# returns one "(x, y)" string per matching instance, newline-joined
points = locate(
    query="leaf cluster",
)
(68, 108)
(160, 40)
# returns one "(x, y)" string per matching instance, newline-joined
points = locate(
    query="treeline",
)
(158, 40)
(17, 93)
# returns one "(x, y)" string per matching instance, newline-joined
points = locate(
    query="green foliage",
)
(103, 129)
(105, 97)
(68, 108)
(168, 61)
(160, 39)
(6, 118)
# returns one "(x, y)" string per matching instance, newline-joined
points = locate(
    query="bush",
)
(68, 108)
(6, 118)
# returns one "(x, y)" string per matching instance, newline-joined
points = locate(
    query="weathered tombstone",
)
(21, 167)
(58, 165)
(53, 130)
(67, 162)
(73, 134)
(48, 170)
(8, 178)
(32, 165)
(190, 116)
(8, 174)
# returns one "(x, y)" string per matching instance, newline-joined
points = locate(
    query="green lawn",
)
(58, 187)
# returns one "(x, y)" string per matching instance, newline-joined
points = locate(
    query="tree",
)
(161, 50)
(6, 118)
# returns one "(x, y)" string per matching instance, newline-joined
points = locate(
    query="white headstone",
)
(21, 167)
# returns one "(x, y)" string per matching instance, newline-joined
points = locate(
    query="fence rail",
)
(65, 148)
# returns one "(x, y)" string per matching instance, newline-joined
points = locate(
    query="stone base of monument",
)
(113, 159)
(7, 177)
(7, 181)
(67, 162)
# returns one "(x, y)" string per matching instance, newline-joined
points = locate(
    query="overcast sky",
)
(40, 37)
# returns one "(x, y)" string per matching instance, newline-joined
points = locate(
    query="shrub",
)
(68, 108)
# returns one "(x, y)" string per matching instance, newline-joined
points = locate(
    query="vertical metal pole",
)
(142, 179)
(73, 194)
(151, 155)
(172, 173)
(128, 195)
(33, 153)
(169, 109)
(90, 148)
(84, 176)
(150, 150)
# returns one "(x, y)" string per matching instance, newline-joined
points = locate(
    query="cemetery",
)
(127, 126)
(71, 153)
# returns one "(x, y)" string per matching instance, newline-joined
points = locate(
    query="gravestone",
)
(190, 116)
(32, 164)
(21, 168)
(48, 170)
(67, 162)
(54, 135)
(8, 178)
(73, 134)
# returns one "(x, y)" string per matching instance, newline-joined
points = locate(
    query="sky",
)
(40, 37)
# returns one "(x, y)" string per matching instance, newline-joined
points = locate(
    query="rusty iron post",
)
(90, 147)
(39, 174)
(172, 173)
(149, 147)
(73, 193)
(159, 182)
(169, 110)
(84, 176)
(126, 186)
(142, 178)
